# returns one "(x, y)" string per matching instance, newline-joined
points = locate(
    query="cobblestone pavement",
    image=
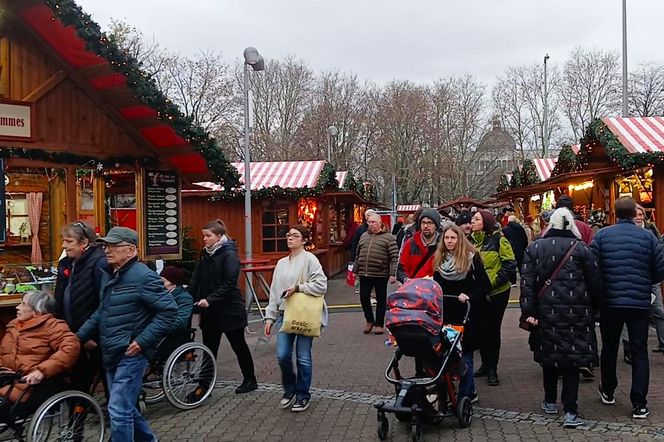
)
(348, 379)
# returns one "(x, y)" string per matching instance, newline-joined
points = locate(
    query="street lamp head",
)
(332, 131)
(251, 56)
(259, 65)
(546, 57)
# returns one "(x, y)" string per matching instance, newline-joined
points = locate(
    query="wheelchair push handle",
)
(467, 304)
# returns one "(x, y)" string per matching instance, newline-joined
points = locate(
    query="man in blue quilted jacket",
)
(135, 312)
(631, 260)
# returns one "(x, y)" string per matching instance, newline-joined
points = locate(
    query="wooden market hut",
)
(617, 157)
(85, 134)
(283, 194)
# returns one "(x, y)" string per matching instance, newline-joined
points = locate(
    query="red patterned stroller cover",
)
(417, 302)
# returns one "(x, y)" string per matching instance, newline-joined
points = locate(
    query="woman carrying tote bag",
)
(299, 273)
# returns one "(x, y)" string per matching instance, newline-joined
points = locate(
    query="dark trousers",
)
(495, 310)
(610, 324)
(367, 283)
(570, 393)
(88, 372)
(212, 339)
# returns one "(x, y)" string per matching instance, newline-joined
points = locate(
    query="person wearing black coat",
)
(219, 301)
(518, 238)
(563, 336)
(466, 280)
(77, 293)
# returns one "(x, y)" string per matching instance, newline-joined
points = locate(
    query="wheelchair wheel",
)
(152, 387)
(189, 376)
(69, 415)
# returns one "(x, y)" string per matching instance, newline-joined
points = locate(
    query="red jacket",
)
(412, 254)
(585, 231)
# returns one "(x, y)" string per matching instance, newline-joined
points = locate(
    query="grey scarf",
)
(448, 269)
(217, 245)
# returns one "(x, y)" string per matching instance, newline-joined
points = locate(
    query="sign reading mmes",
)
(163, 236)
(16, 120)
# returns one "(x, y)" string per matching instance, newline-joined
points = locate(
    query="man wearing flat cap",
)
(135, 312)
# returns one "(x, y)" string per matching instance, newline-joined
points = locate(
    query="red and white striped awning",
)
(408, 207)
(341, 177)
(576, 148)
(286, 174)
(638, 134)
(544, 167)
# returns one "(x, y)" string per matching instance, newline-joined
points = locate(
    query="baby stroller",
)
(415, 320)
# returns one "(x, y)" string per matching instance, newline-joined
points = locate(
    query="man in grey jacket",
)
(375, 264)
(134, 313)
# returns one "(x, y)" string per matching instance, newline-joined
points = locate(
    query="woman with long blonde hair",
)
(459, 270)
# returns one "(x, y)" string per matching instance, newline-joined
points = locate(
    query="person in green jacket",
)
(500, 266)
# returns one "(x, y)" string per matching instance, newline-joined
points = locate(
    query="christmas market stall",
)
(85, 135)
(616, 157)
(283, 194)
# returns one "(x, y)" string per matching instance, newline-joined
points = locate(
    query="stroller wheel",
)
(416, 431)
(383, 426)
(464, 412)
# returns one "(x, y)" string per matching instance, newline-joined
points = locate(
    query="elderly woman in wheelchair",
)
(36, 345)
(183, 371)
(36, 353)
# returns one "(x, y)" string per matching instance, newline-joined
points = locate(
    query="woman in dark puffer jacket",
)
(563, 338)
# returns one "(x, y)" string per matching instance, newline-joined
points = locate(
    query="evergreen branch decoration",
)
(503, 183)
(145, 89)
(528, 173)
(566, 162)
(516, 179)
(598, 132)
(75, 159)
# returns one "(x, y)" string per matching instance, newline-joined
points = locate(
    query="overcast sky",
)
(381, 40)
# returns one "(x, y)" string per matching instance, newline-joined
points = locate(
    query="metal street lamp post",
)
(332, 131)
(255, 60)
(625, 110)
(545, 129)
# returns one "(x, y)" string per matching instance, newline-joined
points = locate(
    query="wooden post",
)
(70, 192)
(658, 195)
(612, 200)
(99, 195)
(58, 214)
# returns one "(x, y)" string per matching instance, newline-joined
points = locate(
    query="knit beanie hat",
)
(432, 214)
(173, 274)
(464, 218)
(565, 201)
(488, 219)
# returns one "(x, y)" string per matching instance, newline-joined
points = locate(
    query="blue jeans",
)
(467, 383)
(124, 383)
(292, 383)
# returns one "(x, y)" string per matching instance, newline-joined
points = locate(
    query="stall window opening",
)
(18, 222)
(274, 226)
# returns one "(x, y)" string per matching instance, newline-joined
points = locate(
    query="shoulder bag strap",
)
(430, 251)
(547, 283)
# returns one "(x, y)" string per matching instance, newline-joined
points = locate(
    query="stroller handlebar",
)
(466, 303)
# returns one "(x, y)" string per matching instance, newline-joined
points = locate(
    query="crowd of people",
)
(573, 275)
(109, 311)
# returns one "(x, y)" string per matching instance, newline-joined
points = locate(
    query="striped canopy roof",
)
(408, 207)
(638, 134)
(341, 177)
(286, 174)
(544, 167)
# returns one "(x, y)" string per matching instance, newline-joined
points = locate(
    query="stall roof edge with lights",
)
(618, 156)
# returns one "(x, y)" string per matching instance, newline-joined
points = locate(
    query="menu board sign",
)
(163, 237)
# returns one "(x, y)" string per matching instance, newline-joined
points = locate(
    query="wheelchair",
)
(183, 371)
(50, 413)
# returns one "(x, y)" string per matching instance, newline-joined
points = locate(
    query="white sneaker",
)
(287, 401)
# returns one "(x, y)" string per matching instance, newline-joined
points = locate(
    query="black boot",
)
(481, 372)
(247, 386)
(492, 378)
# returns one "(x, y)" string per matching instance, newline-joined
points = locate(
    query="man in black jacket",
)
(516, 235)
(358, 234)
